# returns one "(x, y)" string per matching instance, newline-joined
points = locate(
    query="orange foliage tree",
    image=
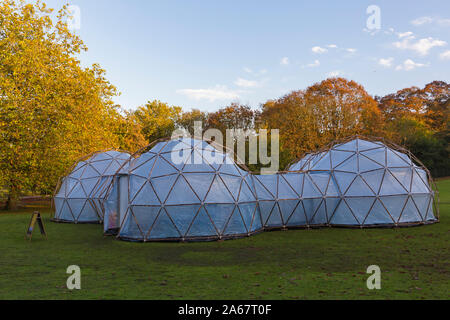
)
(419, 119)
(326, 111)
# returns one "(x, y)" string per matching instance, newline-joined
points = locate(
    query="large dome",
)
(79, 197)
(186, 189)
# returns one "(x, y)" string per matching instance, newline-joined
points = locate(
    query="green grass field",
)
(297, 264)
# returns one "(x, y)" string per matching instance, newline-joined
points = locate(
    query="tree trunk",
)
(12, 203)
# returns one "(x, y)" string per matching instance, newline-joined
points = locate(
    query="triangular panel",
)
(287, 208)
(266, 208)
(284, 189)
(378, 215)
(202, 226)
(391, 186)
(235, 224)
(343, 216)
(359, 188)
(146, 196)
(394, 205)
(181, 193)
(360, 207)
(145, 217)
(163, 185)
(218, 193)
(163, 228)
(182, 216)
(410, 213)
(220, 214)
(200, 182)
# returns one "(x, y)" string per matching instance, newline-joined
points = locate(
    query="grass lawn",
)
(296, 264)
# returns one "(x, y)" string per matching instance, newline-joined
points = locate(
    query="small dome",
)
(79, 196)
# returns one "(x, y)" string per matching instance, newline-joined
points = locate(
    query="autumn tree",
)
(418, 118)
(157, 119)
(188, 119)
(437, 99)
(234, 116)
(427, 104)
(128, 130)
(326, 111)
(52, 110)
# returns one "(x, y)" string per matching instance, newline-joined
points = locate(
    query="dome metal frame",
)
(220, 234)
(416, 163)
(280, 200)
(100, 189)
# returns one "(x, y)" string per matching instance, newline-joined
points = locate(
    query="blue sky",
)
(206, 54)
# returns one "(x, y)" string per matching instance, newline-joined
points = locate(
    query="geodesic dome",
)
(183, 189)
(297, 166)
(369, 184)
(79, 197)
(187, 189)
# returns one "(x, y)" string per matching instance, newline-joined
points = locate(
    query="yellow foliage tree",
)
(129, 131)
(157, 119)
(52, 110)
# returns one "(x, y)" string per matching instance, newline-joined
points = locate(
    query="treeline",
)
(416, 118)
(53, 110)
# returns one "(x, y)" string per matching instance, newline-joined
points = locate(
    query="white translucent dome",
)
(186, 189)
(376, 185)
(80, 195)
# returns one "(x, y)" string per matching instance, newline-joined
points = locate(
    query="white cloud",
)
(428, 20)
(351, 50)
(316, 63)
(257, 73)
(210, 94)
(334, 74)
(421, 21)
(445, 55)
(318, 50)
(409, 65)
(422, 46)
(284, 61)
(386, 62)
(444, 22)
(244, 83)
(332, 46)
(407, 35)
